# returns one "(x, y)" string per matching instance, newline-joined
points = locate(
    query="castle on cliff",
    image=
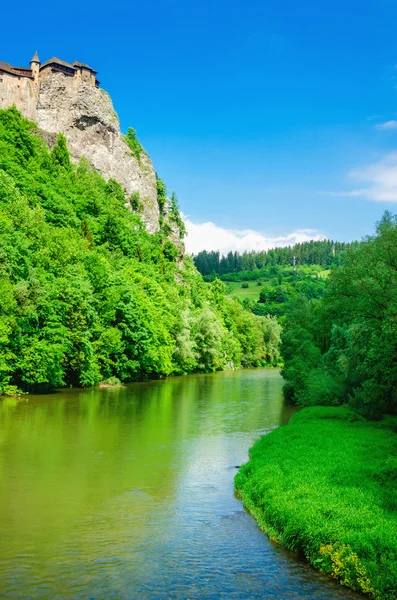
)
(62, 97)
(37, 71)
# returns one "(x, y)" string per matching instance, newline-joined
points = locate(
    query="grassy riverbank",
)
(325, 485)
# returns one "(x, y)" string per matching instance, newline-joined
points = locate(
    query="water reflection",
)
(126, 493)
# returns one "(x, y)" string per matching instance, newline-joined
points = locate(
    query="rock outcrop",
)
(85, 114)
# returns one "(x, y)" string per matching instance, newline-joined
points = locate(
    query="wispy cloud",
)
(387, 125)
(209, 236)
(378, 181)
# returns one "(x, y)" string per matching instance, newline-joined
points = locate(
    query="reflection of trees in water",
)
(96, 461)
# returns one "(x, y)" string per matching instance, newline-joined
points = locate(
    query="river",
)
(128, 493)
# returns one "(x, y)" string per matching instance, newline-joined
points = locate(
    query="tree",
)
(60, 154)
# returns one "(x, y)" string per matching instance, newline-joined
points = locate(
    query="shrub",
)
(136, 202)
(132, 140)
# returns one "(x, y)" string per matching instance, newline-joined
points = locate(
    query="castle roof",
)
(6, 67)
(16, 71)
(57, 61)
(84, 66)
(35, 58)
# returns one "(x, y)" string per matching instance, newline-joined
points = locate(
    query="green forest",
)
(88, 296)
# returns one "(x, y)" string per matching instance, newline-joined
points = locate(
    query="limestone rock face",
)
(86, 116)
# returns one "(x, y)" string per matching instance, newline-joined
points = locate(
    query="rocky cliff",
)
(86, 116)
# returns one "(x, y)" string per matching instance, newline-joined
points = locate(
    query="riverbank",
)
(325, 486)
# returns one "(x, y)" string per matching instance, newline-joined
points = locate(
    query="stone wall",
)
(21, 91)
(45, 72)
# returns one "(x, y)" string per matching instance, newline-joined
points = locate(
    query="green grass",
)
(234, 290)
(325, 486)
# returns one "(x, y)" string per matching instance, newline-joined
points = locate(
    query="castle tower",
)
(35, 66)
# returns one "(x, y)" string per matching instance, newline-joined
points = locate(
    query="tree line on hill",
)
(87, 295)
(325, 253)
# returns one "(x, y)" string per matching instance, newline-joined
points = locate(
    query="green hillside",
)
(88, 294)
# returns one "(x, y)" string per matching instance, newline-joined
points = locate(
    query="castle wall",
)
(24, 93)
(20, 91)
(85, 75)
(45, 71)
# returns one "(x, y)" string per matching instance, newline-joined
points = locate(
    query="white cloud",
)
(387, 125)
(378, 181)
(209, 236)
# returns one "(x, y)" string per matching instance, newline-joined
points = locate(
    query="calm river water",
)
(119, 494)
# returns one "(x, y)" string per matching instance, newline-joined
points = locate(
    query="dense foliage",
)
(343, 348)
(278, 287)
(325, 253)
(87, 294)
(311, 487)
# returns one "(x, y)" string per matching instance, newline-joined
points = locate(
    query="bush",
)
(136, 202)
(131, 139)
(111, 382)
(322, 388)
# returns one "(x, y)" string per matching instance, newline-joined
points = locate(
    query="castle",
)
(38, 71)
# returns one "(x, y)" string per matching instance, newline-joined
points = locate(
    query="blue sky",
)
(272, 117)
